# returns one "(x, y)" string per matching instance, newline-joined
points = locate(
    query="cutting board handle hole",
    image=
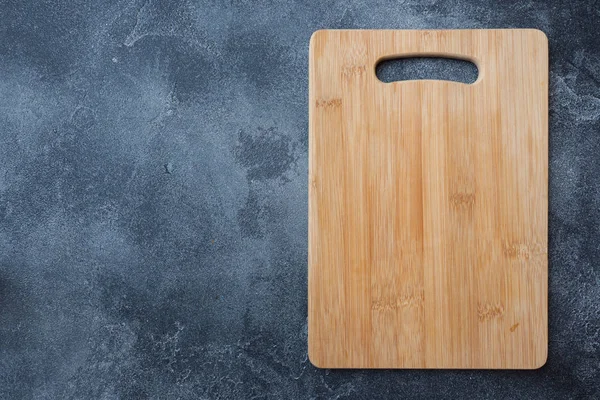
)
(430, 68)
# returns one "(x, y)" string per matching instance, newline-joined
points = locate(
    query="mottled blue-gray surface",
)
(153, 199)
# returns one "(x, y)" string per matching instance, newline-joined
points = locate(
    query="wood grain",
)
(428, 203)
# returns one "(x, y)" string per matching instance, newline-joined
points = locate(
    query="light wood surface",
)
(428, 203)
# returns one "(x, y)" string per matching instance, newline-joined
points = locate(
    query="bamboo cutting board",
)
(428, 203)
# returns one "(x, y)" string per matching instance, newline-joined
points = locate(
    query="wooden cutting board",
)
(428, 203)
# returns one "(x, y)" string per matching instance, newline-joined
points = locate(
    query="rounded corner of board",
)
(316, 36)
(314, 359)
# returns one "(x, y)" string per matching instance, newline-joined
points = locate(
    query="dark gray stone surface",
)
(153, 199)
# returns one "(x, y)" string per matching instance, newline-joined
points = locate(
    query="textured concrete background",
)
(153, 199)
